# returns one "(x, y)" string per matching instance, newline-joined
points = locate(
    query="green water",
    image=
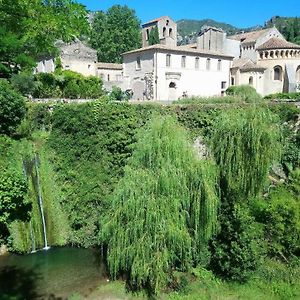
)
(53, 274)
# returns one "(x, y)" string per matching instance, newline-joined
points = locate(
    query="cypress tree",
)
(154, 36)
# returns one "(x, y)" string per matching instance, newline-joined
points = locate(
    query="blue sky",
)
(240, 13)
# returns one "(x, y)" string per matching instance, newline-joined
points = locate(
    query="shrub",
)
(280, 214)
(24, 83)
(12, 108)
(246, 93)
(117, 94)
(283, 96)
(236, 250)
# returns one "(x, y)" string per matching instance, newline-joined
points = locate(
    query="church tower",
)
(167, 31)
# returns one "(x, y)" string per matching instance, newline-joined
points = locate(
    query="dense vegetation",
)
(125, 177)
(115, 32)
(28, 30)
(60, 84)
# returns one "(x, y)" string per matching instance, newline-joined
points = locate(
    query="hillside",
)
(189, 29)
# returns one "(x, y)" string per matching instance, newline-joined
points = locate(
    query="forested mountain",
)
(189, 29)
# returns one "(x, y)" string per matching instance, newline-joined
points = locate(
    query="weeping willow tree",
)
(164, 209)
(245, 143)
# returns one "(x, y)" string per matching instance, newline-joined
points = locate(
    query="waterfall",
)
(40, 200)
(33, 247)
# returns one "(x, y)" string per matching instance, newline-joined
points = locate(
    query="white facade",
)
(162, 73)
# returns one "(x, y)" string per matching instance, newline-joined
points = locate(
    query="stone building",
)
(168, 72)
(75, 56)
(167, 31)
(111, 74)
(262, 58)
(267, 62)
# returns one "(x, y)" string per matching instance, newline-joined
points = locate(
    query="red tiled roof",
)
(109, 66)
(156, 20)
(276, 43)
(248, 37)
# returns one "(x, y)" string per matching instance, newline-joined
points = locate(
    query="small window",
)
(197, 63)
(89, 66)
(219, 65)
(108, 77)
(208, 64)
(171, 32)
(147, 34)
(278, 73)
(138, 63)
(251, 80)
(232, 81)
(223, 85)
(168, 60)
(183, 61)
(67, 67)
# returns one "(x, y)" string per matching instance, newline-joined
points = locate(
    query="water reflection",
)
(53, 274)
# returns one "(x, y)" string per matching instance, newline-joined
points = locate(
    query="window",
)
(278, 73)
(171, 32)
(164, 32)
(138, 63)
(89, 66)
(183, 61)
(298, 75)
(223, 85)
(108, 77)
(67, 67)
(168, 60)
(232, 81)
(197, 63)
(219, 65)
(251, 80)
(208, 64)
(147, 34)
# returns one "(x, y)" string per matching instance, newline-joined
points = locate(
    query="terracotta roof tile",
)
(182, 49)
(102, 65)
(248, 37)
(156, 20)
(276, 43)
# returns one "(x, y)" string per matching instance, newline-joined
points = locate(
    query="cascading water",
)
(40, 199)
(31, 171)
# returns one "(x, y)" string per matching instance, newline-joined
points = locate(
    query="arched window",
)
(278, 73)
(171, 32)
(208, 64)
(251, 80)
(298, 75)
(164, 32)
